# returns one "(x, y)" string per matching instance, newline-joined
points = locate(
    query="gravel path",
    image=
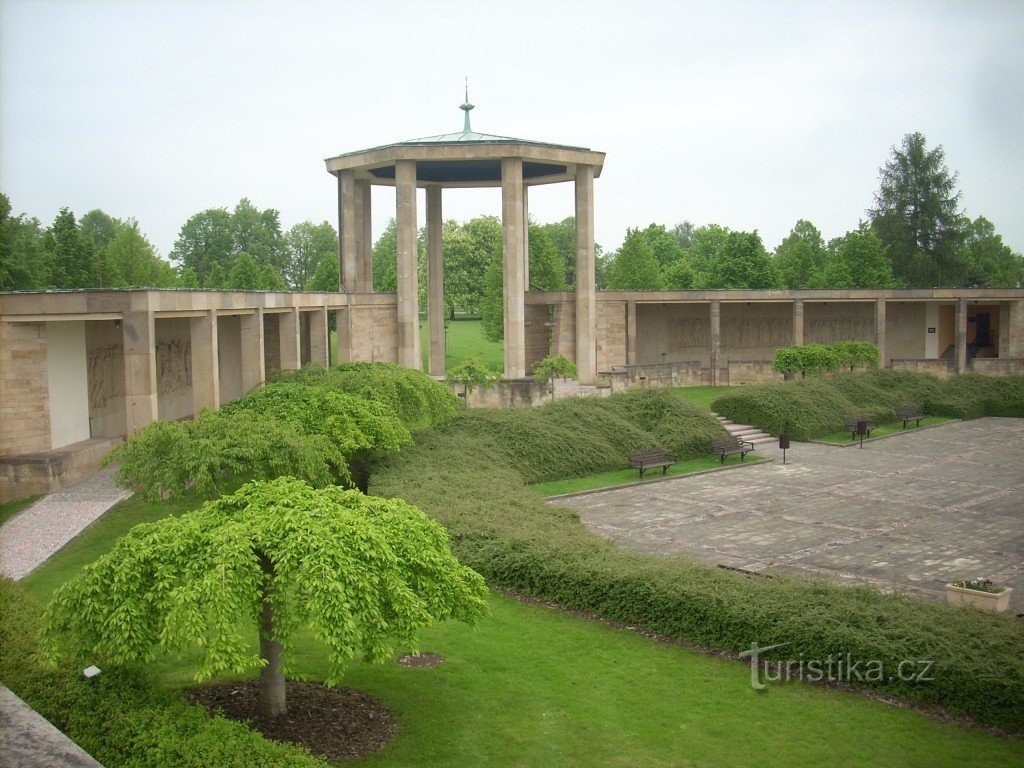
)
(30, 538)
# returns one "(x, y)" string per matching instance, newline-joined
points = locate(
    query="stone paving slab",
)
(913, 511)
(30, 741)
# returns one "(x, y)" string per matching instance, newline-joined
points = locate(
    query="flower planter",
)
(986, 601)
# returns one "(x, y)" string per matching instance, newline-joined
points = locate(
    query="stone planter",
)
(986, 601)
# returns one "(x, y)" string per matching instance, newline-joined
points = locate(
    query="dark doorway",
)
(982, 330)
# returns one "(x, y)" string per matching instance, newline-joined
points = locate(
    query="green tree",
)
(131, 260)
(991, 263)
(492, 305)
(679, 276)
(547, 269)
(72, 257)
(307, 246)
(274, 557)
(634, 267)
(204, 242)
(385, 254)
(258, 233)
(800, 257)
(188, 279)
(245, 274)
(742, 263)
(858, 260)
(327, 276)
(24, 261)
(99, 227)
(562, 235)
(917, 216)
(664, 244)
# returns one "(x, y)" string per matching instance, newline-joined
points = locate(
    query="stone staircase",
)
(745, 432)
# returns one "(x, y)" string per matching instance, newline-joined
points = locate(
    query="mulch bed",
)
(333, 723)
(420, 660)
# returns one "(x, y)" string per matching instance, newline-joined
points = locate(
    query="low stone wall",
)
(751, 372)
(938, 368)
(683, 374)
(1002, 366)
(508, 393)
(28, 474)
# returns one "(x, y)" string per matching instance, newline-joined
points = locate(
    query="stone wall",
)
(906, 331)
(509, 393)
(174, 368)
(611, 334)
(374, 333)
(537, 333)
(751, 372)
(563, 330)
(24, 389)
(229, 357)
(997, 367)
(668, 333)
(684, 374)
(104, 350)
(271, 342)
(754, 330)
(832, 321)
(938, 368)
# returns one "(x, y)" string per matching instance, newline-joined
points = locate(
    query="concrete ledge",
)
(29, 474)
(30, 741)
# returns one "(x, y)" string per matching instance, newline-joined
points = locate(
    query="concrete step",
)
(762, 440)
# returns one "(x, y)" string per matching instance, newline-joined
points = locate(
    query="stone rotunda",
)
(465, 159)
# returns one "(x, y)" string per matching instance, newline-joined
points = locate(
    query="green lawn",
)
(11, 508)
(463, 339)
(843, 438)
(534, 686)
(623, 476)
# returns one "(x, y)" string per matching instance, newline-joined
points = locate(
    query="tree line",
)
(915, 235)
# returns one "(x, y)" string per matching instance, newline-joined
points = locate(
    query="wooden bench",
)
(655, 456)
(910, 413)
(850, 422)
(726, 446)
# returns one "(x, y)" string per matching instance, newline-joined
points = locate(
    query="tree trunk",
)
(272, 700)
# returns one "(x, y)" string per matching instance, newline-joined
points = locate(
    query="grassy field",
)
(843, 438)
(463, 339)
(623, 476)
(535, 686)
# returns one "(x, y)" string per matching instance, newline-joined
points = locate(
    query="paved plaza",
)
(917, 510)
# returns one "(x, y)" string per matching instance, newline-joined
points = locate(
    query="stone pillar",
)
(630, 333)
(526, 238)
(961, 335)
(883, 360)
(319, 337)
(253, 360)
(1004, 329)
(408, 275)
(435, 281)
(347, 225)
(364, 250)
(291, 345)
(514, 257)
(1014, 329)
(586, 277)
(798, 322)
(715, 338)
(343, 335)
(205, 362)
(138, 331)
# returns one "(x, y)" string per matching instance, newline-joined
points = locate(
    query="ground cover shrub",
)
(574, 437)
(418, 400)
(123, 717)
(519, 542)
(809, 408)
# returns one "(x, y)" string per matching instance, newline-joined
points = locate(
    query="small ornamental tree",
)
(473, 372)
(271, 559)
(555, 367)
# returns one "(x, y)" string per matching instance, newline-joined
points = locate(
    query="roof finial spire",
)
(465, 107)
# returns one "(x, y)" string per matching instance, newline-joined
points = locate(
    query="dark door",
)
(982, 330)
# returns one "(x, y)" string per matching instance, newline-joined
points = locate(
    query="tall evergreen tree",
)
(917, 216)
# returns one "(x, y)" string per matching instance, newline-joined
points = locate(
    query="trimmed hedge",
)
(122, 717)
(471, 478)
(809, 408)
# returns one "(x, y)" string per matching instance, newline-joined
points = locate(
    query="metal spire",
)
(465, 107)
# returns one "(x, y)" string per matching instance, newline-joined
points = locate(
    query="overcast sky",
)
(749, 115)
